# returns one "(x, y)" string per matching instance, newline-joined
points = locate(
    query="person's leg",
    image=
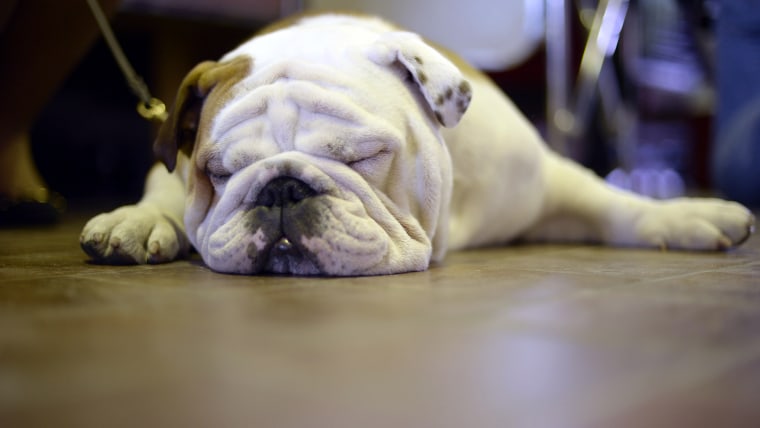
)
(40, 43)
(736, 151)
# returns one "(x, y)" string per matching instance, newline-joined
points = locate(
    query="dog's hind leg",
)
(580, 207)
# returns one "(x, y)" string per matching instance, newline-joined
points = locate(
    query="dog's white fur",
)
(353, 108)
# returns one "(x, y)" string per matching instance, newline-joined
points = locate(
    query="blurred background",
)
(631, 89)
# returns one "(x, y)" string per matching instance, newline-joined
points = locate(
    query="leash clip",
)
(154, 110)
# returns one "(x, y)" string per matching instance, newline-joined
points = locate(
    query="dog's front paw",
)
(695, 224)
(133, 234)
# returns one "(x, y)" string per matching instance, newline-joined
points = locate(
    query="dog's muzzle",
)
(283, 207)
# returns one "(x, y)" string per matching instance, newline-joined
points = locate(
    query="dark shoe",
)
(44, 208)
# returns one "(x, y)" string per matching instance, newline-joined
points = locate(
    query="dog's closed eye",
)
(217, 176)
(371, 163)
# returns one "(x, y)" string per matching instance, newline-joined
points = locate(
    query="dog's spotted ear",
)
(205, 87)
(442, 84)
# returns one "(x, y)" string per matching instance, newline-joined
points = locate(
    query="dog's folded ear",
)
(441, 83)
(206, 86)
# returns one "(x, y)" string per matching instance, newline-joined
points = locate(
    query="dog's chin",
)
(285, 258)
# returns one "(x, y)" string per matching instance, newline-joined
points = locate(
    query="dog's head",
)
(316, 150)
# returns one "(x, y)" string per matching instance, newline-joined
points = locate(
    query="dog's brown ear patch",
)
(204, 91)
(441, 83)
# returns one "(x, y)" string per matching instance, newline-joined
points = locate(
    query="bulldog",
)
(342, 145)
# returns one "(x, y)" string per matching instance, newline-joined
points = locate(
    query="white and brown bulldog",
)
(339, 145)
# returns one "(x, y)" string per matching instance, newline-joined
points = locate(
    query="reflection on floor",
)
(535, 336)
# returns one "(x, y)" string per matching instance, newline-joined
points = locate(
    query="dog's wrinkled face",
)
(317, 151)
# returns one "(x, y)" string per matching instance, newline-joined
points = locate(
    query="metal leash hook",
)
(155, 110)
(148, 107)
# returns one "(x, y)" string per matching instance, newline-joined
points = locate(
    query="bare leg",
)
(40, 43)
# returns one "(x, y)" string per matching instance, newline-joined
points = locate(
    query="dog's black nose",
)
(283, 191)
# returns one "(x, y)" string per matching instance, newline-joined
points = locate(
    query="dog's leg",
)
(151, 231)
(580, 207)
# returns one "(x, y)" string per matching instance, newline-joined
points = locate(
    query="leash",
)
(148, 107)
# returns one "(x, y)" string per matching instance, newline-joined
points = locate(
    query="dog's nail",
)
(115, 242)
(724, 244)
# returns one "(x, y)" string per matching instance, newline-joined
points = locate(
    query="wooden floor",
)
(545, 336)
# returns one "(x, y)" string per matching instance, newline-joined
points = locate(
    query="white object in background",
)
(491, 34)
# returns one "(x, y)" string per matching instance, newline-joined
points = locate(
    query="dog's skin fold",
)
(341, 145)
